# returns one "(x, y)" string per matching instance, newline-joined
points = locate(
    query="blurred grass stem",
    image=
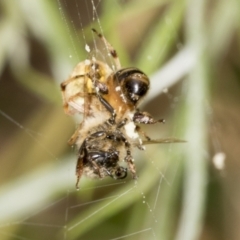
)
(196, 127)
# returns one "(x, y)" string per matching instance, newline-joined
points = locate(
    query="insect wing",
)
(163, 140)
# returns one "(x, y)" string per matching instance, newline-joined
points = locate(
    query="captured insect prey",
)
(107, 99)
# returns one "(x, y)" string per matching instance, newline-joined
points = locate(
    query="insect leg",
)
(109, 108)
(145, 118)
(122, 123)
(139, 130)
(100, 89)
(99, 134)
(95, 165)
(129, 159)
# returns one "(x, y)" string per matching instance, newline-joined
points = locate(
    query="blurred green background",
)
(182, 193)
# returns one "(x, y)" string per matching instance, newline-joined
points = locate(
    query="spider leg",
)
(79, 171)
(69, 80)
(110, 48)
(71, 101)
(75, 135)
(79, 166)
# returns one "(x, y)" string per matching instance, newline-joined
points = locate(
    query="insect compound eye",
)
(119, 173)
(114, 155)
(133, 82)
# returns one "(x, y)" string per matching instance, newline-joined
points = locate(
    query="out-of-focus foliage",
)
(41, 41)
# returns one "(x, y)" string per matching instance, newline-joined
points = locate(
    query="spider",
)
(109, 102)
